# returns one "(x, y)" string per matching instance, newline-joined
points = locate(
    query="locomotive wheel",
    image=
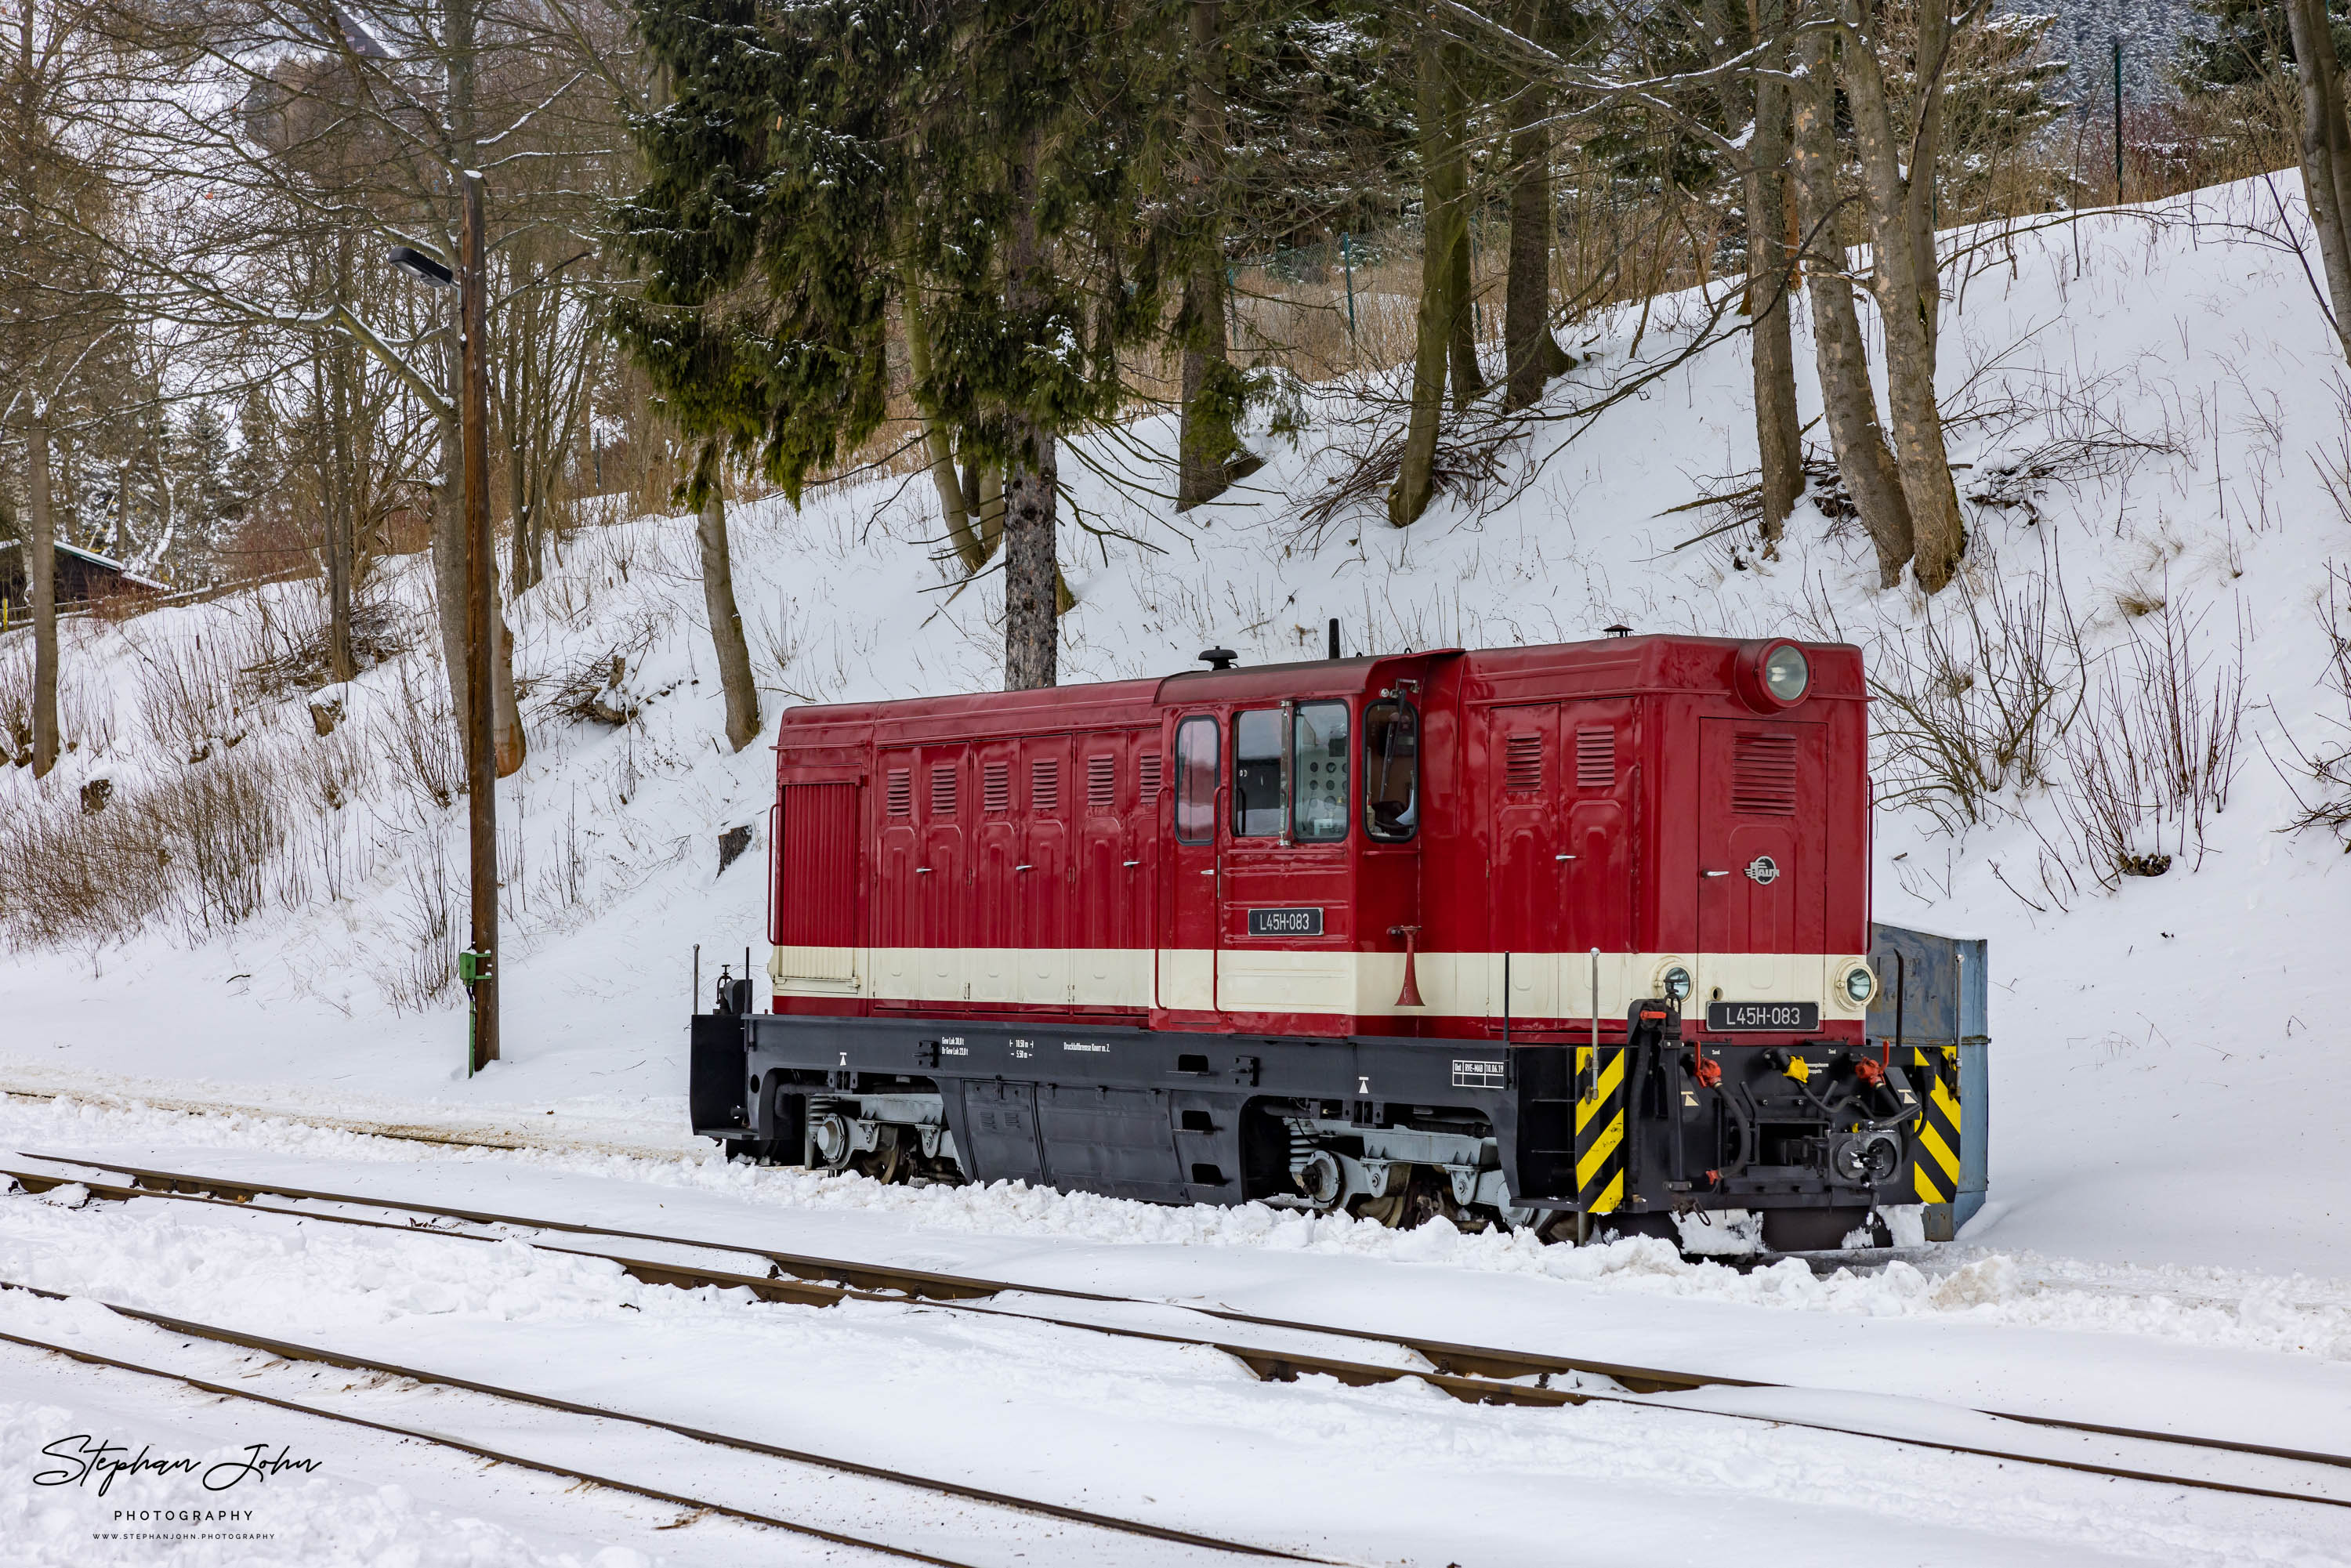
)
(1422, 1194)
(1429, 1194)
(886, 1164)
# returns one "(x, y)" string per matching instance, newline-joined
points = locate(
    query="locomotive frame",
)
(1568, 933)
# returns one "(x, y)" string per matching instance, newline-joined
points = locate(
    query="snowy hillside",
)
(2151, 408)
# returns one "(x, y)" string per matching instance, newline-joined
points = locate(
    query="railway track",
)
(1215, 1548)
(522, 1138)
(1477, 1374)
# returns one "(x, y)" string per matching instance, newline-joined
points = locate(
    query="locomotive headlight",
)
(1676, 982)
(1860, 985)
(1771, 675)
(1787, 672)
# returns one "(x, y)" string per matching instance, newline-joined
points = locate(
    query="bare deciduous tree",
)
(1848, 400)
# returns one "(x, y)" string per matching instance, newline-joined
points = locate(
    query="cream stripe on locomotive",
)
(1304, 980)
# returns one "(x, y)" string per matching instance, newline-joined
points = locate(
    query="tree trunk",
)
(952, 510)
(1469, 380)
(451, 598)
(340, 519)
(449, 567)
(1849, 402)
(725, 619)
(1533, 355)
(518, 508)
(1779, 435)
(1905, 313)
(2325, 153)
(1441, 196)
(505, 710)
(41, 572)
(1032, 630)
(1934, 45)
(983, 493)
(1031, 578)
(1206, 442)
(124, 545)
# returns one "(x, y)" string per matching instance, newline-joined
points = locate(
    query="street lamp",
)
(476, 966)
(428, 271)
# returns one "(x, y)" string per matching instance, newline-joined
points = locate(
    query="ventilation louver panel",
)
(1147, 777)
(1045, 787)
(1522, 762)
(900, 792)
(1763, 775)
(1595, 760)
(996, 786)
(943, 789)
(1101, 785)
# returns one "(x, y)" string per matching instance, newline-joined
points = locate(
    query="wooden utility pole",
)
(481, 719)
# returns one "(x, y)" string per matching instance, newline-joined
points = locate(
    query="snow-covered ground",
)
(1174, 1435)
(2169, 1176)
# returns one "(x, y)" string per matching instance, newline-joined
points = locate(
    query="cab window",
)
(1391, 770)
(1318, 773)
(1257, 773)
(1195, 780)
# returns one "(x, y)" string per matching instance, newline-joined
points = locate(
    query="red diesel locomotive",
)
(1536, 936)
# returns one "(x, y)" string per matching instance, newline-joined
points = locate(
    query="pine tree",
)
(2244, 43)
(813, 157)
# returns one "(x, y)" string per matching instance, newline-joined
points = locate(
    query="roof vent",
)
(1218, 658)
(1619, 630)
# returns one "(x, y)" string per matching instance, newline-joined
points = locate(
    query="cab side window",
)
(1257, 773)
(1318, 773)
(1197, 777)
(1391, 770)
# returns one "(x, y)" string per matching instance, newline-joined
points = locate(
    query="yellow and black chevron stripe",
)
(1935, 1149)
(1599, 1128)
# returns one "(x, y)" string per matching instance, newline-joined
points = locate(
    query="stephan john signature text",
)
(85, 1457)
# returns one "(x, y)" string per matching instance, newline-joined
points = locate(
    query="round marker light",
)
(1860, 985)
(1677, 982)
(1787, 674)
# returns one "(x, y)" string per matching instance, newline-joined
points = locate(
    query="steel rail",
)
(891, 1282)
(287, 1350)
(1476, 1374)
(479, 1450)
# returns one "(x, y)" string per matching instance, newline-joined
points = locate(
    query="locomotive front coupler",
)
(1802, 1123)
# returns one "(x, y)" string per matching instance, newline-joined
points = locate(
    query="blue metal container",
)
(1941, 986)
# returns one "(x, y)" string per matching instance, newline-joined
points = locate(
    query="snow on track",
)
(2215, 1307)
(1177, 1435)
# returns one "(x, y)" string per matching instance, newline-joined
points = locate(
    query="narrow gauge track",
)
(1475, 1373)
(479, 1450)
(521, 1140)
(286, 1350)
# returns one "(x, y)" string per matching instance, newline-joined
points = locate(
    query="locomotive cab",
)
(1514, 934)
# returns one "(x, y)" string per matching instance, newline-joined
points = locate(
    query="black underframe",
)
(1110, 1103)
